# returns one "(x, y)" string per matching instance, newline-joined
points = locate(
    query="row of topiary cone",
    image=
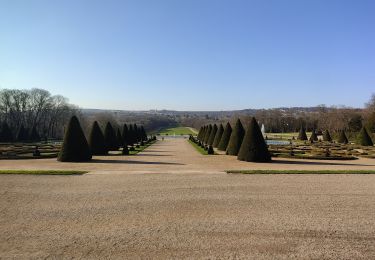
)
(76, 148)
(363, 137)
(247, 145)
(23, 134)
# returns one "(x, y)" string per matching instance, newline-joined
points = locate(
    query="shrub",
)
(224, 140)
(364, 138)
(254, 148)
(218, 135)
(207, 134)
(110, 138)
(326, 136)
(120, 141)
(210, 150)
(97, 142)
(302, 134)
(342, 137)
(125, 134)
(34, 135)
(212, 135)
(236, 138)
(313, 136)
(75, 147)
(125, 150)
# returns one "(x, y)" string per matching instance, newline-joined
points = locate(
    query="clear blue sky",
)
(191, 54)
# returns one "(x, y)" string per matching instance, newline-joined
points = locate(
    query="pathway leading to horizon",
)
(176, 155)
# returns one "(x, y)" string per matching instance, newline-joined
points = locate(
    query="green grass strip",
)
(43, 172)
(198, 148)
(301, 171)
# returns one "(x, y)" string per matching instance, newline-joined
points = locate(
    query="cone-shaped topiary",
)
(210, 150)
(22, 135)
(254, 148)
(236, 138)
(110, 137)
(136, 133)
(97, 142)
(34, 135)
(143, 134)
(5, 133)
(327, 136)
(119, 138)
(125, 150)
(203, 133)
(342, 138)
(200, 133)
(131, 137)
(75, 147)
(207, 134)
(364, 138)
(223, 144)
(302, 134)
(125, 134)
(313, 136)
(218, 135)
(212, 135)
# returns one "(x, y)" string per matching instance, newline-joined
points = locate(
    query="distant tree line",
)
(28, 115)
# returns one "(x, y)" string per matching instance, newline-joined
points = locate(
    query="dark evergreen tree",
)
(201, 138)
(223, 144)
(218, 135)
(125, 150)
(110, 138)
(200, 133)
(211, 138)
(364, 138)
(75, 147)
(6, 134)
(236, 138)
(254, 148)
(313, 137)
(302, 134)
(327, 136)
(97, 142)
(342, 138)
(34, 135)
(207, 134)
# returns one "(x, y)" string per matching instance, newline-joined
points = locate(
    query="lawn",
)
(42, 172)
(181, 130)
(302, 171)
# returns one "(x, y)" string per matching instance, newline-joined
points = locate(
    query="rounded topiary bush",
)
(125, 150)
(97, 142)
(218, 135)
(364, 138)
(75, 147)
(236, 138)
(224, 140)
(254, 148)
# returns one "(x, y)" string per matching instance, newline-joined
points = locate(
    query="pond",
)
(277, 142)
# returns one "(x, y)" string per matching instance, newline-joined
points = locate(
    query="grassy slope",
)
(177, 131)
(42, 172)
(198, 148)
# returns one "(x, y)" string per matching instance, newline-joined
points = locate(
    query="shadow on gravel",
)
(132, 162)
(142, 154)
(318, 163)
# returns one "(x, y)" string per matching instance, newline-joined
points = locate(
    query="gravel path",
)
(171, 202)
